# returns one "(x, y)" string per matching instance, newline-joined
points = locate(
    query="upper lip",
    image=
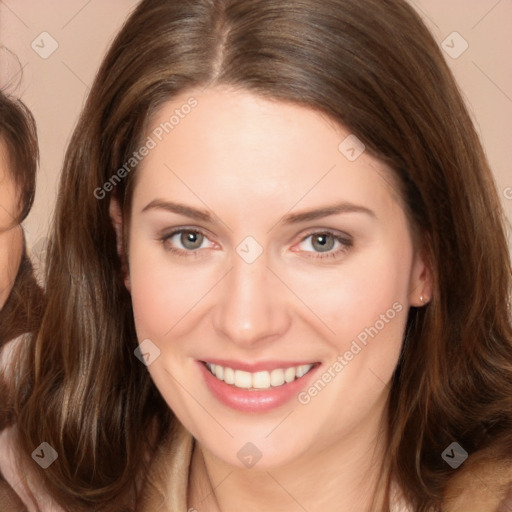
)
(256, 367)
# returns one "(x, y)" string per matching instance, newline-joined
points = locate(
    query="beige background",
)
(55, 87)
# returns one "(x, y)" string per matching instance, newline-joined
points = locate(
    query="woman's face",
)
(11, 234)
(261, 241)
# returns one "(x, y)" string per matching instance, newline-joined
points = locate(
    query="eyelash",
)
(346, 243)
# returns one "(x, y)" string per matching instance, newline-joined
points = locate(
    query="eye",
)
(325, 244)
(184, 242)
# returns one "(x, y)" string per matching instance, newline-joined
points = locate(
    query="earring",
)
(421, 299)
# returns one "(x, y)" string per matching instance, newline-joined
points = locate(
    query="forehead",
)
(255, 150)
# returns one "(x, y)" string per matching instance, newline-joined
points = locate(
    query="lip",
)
(244, 400)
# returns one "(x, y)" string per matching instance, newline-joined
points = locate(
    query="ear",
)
(421, 281)
(116, 216)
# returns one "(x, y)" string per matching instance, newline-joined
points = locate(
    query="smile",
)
(258, 380)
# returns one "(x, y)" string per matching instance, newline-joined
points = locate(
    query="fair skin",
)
(11, 234)
(250, 162)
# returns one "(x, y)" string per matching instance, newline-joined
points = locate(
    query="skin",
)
(11, 234)
(250, 161)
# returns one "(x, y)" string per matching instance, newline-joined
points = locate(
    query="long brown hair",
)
(371, 66)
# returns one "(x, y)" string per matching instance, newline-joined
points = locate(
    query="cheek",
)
(11, 251)
(158, 297)
(364, 303)
(354, 296)
(164, 293)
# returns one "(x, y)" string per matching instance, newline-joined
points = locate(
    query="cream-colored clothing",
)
(171, 467)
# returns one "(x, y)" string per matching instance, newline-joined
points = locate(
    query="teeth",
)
(258, 380)
(302, 370)
(243, 379)
(277, 378)
(261, 380)
(229, 376)
(289, 374)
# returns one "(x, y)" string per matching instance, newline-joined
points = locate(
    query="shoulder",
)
(486, 485)
(20, 486)
(19, 489)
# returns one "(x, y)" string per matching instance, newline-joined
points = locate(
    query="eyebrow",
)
(290, 218)
(181, 209)
(326, 211)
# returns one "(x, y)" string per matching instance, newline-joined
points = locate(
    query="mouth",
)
(261, 380)
(268, 386)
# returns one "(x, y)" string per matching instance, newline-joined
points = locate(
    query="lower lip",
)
(254, 401)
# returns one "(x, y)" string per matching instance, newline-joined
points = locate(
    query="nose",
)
(252, 307)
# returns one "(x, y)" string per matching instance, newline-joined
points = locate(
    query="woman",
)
(21, 298)
(278, 274)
